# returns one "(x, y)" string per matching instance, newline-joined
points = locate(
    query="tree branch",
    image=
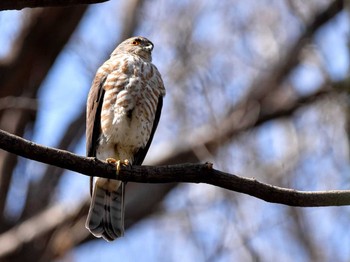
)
(190, 173)
(20, 4)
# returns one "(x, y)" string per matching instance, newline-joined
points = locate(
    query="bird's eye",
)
(136, 42)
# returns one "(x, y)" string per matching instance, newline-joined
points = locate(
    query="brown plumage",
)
(123, 111)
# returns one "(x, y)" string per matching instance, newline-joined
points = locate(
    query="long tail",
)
(106, 214)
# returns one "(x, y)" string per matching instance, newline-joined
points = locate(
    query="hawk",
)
(123, 111)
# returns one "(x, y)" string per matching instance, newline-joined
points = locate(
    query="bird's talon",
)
(111, 160)
(117, 166)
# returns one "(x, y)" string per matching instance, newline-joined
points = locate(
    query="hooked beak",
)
(149, 46)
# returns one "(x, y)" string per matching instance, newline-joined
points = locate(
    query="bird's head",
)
(138, 45)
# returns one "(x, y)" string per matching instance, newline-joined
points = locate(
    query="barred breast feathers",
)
(133, 87)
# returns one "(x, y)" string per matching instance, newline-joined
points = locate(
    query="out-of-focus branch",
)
(23, 103)
(14, 121)
(35, 202)
(281, 70)
(36, 54)
(190, 173)
(20, 4)
(17, 80)
(35, 227)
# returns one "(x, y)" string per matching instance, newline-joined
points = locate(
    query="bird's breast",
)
(129, 106)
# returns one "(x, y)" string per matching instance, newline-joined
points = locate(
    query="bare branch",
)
(20, 4)
(190, 173)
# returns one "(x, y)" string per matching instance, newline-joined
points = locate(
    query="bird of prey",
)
(123, 111)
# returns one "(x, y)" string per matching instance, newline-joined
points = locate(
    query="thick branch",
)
(20, 4)
(191, 173)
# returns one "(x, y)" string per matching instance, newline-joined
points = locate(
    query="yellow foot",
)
(117, 163)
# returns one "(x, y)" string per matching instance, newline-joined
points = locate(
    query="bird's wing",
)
(93, 113)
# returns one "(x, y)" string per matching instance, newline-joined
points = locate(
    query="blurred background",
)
(260, 88)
